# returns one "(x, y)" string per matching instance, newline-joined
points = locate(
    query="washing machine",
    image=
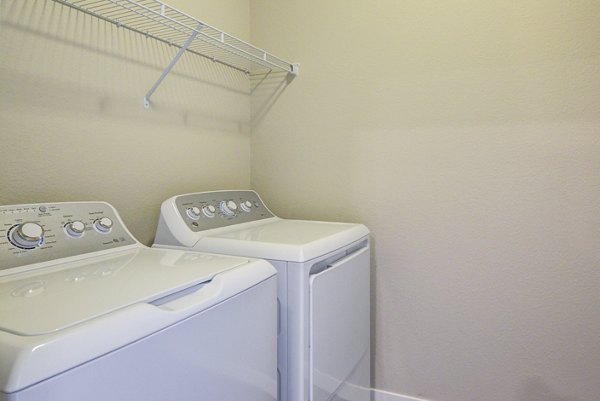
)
(88, 313)
(323, 271)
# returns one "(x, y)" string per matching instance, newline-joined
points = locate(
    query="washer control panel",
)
(207, 210)
(37, 233)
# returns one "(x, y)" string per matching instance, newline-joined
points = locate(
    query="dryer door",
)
(339, 356)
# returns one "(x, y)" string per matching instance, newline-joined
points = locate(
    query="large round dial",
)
(193, 212)
(27, 235)
(75, 229)
(103, 225)
(228, 208)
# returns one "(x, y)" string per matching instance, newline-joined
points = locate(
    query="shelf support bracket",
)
(182, 50)
(294, 69)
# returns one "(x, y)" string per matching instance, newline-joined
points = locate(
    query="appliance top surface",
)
(286, 240)
(52, 298)
(288, 232)
(239, 223)
(67, 262)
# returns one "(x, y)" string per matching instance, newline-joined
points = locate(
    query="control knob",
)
(246, 206)
(228, 208)
(27, 235)
(75, 229)
(103, 225)
(193, 212)
(209, 211)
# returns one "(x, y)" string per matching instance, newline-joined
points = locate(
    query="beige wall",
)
(466, 135)
(72, 125)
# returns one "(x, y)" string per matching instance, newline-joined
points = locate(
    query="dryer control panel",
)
(207, 210)
(35, 233)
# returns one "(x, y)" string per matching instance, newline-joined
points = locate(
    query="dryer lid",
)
(50, 299)
(282, 239)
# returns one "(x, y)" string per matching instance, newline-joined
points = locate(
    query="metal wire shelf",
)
(166, 24)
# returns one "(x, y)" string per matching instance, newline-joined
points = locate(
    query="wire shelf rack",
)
(166, 24)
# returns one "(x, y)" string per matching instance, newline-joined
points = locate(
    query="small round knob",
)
(75, 229)
(193, 212)
(246, 206)
(209, 211)
(103, 225)
(228, 207)
(28, 235)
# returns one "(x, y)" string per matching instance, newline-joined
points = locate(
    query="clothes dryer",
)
(323, 271)
(88, 313)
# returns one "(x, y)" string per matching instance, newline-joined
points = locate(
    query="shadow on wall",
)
(535, 389)
(266, 89)
(101, 68)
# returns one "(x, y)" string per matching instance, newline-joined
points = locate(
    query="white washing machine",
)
(323, 274)
(89, 314)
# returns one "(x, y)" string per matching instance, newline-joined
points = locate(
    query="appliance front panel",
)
(340, 329)
(224, 353)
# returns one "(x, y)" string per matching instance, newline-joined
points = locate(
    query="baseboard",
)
(380, 395)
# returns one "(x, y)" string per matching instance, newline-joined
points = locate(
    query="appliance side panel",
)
(164, 236)
(282, 328)
(297, 331)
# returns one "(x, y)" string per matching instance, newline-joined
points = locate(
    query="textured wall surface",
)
(466, 135)
(72, 124)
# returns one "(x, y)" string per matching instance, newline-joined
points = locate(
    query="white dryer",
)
(88, 313)
(323, 274)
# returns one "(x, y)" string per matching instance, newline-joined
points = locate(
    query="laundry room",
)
(464, 135)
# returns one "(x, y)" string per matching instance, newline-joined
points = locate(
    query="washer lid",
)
(290, 240)
(63, 295)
